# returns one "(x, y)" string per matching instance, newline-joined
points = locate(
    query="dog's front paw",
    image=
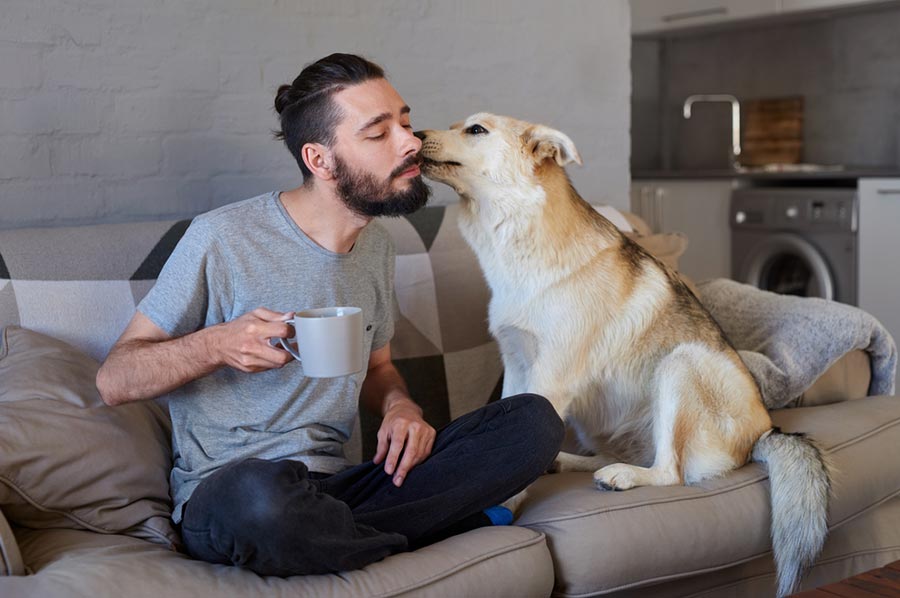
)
(617, 476)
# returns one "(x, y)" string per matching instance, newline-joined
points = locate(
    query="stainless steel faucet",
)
(735, 119)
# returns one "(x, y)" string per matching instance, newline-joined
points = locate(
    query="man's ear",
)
(542, 142)
(318, 159)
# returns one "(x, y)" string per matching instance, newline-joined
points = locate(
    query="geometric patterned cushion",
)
(441, 343)
(81, 285)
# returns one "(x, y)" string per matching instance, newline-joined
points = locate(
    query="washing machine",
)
(796, 241)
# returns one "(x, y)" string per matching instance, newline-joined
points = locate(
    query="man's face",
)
(376, 161)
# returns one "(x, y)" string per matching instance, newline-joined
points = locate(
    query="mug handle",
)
(288, 348)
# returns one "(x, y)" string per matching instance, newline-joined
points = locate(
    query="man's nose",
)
(413, 143)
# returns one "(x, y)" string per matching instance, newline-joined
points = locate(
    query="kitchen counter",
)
(755, 174)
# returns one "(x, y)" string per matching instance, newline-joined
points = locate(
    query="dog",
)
(615, 340)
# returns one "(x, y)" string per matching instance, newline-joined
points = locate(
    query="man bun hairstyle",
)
(306, 107)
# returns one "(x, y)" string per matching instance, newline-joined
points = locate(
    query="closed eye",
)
(476, 130)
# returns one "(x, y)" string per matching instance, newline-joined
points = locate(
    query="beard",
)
(365, 195)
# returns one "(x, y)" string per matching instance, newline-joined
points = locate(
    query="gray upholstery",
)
(11, 562)
(509, 561)
(609, 541)
(708, 540)
(69, 461)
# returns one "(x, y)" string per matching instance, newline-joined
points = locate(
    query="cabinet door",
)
(645, 201)
(798, 5)
(879, 248)
(699, 209)
(648, 16)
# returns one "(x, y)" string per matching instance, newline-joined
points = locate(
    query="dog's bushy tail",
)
(800, 486)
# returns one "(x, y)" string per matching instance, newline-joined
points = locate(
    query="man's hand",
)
(243, 343)
(403, 430)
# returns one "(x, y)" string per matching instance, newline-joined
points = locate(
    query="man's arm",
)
(403, 428)
(146, 362)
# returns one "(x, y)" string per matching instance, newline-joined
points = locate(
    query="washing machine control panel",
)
(794, 210)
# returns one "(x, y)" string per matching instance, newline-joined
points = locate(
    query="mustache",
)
(414, 160)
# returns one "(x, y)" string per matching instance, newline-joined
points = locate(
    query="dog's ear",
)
(543, 142)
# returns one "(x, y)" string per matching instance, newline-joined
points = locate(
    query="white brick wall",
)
(115, 110)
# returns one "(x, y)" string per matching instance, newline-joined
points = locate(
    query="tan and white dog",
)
(612, 337)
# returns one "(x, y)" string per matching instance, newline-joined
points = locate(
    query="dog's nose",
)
(420, 134)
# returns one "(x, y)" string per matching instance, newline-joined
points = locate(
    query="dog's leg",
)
(514, 502)
(670, 426)
(572, 462)
(518, 350)
(511, 383)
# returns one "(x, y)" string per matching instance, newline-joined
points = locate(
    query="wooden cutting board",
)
(773, 131)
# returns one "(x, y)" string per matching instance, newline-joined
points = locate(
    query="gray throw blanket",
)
(788, 342)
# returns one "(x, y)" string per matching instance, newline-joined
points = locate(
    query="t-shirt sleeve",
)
(182, 300)
(385, 331)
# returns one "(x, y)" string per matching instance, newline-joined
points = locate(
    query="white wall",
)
(115, 110)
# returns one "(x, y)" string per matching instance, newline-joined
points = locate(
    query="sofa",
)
(84, 490)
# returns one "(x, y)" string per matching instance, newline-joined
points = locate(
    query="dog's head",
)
(489, 156)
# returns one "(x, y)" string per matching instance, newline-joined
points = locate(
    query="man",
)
(259, 478)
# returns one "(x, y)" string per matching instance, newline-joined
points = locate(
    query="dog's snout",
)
(420, 134)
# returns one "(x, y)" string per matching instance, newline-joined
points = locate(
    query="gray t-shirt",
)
(230, 261)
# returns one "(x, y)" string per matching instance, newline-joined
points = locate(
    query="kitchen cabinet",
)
(658, 15)
(798, 5)
(697, 208)
(879, 248)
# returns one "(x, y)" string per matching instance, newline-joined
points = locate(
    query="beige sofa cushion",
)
(495, 561)
(10, 557)
(608, 541)
(847, 378)
(66, 459)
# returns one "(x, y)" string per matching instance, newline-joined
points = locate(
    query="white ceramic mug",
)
(329, 341)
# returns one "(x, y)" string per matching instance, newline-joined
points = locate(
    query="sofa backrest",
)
(81, 285)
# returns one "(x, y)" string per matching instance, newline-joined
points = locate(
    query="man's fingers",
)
(266, 359)
(397, 442)
(264, 313)
(275, 330)
(429, 445)
(276, 357)
(382, 448)
(410, 458)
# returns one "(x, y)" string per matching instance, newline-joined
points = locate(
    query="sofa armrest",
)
(847, 378)
(11, 562)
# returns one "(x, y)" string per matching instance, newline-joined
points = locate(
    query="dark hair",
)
(307, 112)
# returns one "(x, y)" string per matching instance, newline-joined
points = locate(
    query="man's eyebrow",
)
(383, 116)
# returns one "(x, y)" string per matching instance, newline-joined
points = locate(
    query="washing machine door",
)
(790, 265)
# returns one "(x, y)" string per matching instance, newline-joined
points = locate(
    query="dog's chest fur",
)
(603, 396)
(576, 350)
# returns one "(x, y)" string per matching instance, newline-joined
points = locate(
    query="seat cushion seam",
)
(724, 490)
(466, 564)
(673, 576)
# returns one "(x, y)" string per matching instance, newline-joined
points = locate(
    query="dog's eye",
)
(476, 130)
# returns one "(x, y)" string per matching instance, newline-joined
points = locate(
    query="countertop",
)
(824, 174)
